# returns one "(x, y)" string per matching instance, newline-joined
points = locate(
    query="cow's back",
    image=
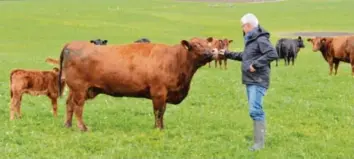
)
(31, 81)
(127, 68)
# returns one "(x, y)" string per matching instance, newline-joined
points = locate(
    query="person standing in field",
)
(256, 57)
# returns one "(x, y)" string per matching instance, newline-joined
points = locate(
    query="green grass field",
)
(309, 114)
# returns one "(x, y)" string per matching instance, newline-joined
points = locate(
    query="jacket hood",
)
(257, 32)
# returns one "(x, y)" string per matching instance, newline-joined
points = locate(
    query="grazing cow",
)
(220, 46)
(99, 42)
(159, 72)
(143, 40)
(334, 50)
(288, 49)
(35, 83)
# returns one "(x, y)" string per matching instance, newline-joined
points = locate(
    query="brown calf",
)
(334, 50)
(159, 72)
(35, 83)
(220, 46)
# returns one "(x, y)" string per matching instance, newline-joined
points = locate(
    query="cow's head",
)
(219, 46)
(99, 42)
(318, 43)
(224, 45)
(142, 40)
(300, 42)
(200, 49)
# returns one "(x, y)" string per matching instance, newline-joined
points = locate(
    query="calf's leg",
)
(14, 106)
(225, 64)
(54, 105)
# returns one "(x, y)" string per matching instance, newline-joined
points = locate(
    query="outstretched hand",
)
(252, 69)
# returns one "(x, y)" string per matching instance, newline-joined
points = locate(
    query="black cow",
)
(99, 42)
(288, 49)
(143, 40)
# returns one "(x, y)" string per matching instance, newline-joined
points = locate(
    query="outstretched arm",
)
(268, 53)
(233, 55)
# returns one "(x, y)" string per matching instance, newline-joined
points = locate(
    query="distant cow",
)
(288, 49)
(99, 42)
(33, 82)
(334, 50)
(159, 72)
(220, 46)
(143, 40)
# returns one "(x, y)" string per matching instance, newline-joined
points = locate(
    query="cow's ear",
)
(230, 41)
(309, 39)
(186, 44)
(210, 39)
(104, 41)
(56, 69)
(221, 41)
(323, 40)
(91, 41)
(299, 37)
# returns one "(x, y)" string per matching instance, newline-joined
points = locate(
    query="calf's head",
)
(199, 49)
(300, 42)
(99, 42)
(318, 43)
(219, 46)
(224, 45)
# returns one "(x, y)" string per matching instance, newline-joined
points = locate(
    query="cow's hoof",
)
(83, 128)
(68, 125)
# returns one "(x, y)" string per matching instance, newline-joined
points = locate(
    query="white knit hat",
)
(249, 18)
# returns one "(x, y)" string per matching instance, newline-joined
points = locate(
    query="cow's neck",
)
(325, 51)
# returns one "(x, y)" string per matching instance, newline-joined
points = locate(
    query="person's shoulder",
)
(262, 39)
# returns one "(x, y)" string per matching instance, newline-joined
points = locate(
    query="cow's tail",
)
(61, 70)
(11, 92)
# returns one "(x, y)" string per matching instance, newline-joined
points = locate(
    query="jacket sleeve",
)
(268, 53)
(233, 55)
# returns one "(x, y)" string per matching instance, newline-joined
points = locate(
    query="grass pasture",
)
(309, 114)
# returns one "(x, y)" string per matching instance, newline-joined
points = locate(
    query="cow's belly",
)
(124, 86)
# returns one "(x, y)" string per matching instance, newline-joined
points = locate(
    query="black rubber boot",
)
(259, 135)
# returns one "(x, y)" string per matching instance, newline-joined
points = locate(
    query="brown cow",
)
(159, 72)
(220, 46)
(35, 83)
(334, 50)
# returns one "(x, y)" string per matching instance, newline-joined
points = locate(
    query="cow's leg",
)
(225, 64)
(15, 103)
(18, 107)
(216, 63)
(220, 63)
(209, 64)
(69, 110)
(293, 60)
(336, 65)
(285, 58)
(351, 58)
(159, 96)
(54, 105)
(289, 60)
(276, 62)
(330, 62)
(79, 101)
